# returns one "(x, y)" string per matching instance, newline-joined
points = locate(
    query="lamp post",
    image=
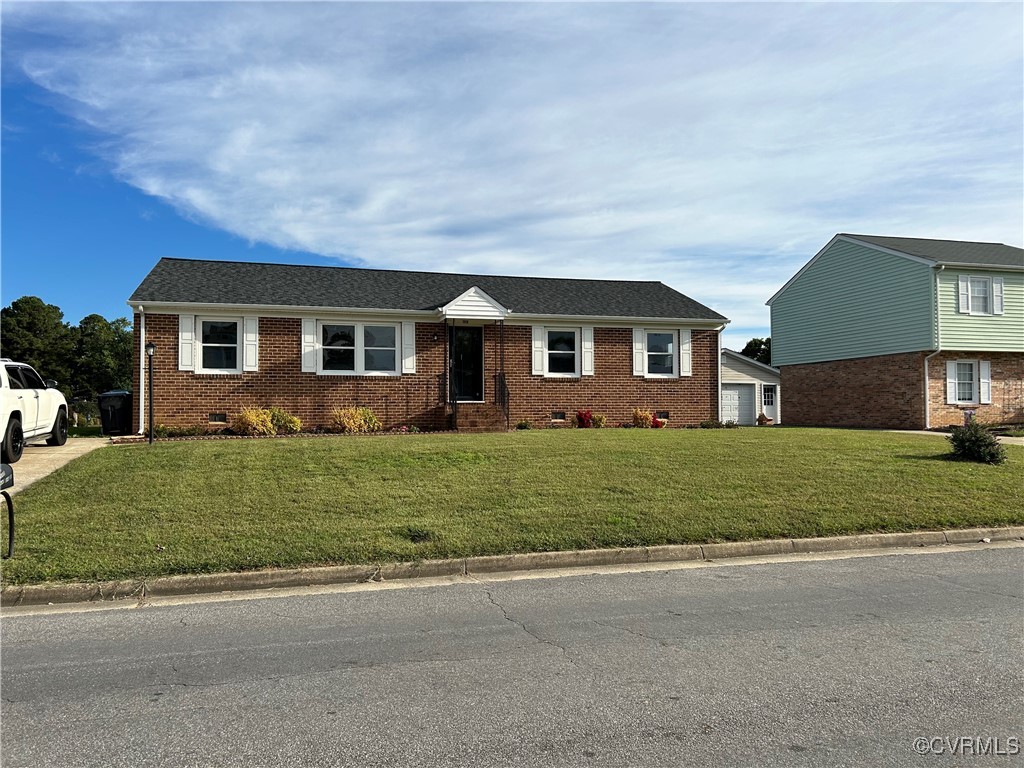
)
(150, 352)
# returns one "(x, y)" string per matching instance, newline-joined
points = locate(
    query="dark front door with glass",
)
(467, 363)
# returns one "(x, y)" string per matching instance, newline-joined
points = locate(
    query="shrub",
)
(600, 420)
(253, 421)
(584, 419)
(354, 421)
(284, 423)
(711, 424)
(524, 424)
(974, 442)
(642, 418)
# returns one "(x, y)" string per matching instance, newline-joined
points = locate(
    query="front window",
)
(339, 347)
(661, 353)
(768, 396)
(358, 348)
(965, 382)
(980, 295)
(562, 352)
(219, 345)
(379, 348)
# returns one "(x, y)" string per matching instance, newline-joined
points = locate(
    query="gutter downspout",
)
(938, 348)
(142, 369)
(718, 334)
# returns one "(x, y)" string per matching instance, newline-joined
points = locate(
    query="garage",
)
(738, 404)
(750, 390)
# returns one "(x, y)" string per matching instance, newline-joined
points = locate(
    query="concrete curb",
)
(207, 583)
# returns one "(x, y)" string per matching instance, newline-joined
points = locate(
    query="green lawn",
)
(134, 511)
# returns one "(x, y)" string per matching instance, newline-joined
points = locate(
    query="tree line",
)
(87, 359)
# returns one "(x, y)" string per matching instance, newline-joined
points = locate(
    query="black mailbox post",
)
(6, 481)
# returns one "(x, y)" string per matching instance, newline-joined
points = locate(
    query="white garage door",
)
(738, 403)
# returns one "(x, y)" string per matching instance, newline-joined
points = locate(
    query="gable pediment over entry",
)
(475, 304)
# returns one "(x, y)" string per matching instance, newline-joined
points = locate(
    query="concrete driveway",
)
(40, 459)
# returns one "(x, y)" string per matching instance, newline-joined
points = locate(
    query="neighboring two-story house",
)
(431, 350)
(899, 332)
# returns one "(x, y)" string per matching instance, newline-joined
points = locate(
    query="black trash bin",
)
(116, 412)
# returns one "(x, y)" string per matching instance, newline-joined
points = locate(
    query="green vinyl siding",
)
(991, 333)
(853, 301)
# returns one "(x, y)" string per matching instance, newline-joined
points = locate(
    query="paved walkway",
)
(40, 459)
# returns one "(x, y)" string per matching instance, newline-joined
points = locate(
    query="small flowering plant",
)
(584, 419)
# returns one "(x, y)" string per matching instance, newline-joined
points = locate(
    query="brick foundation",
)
(886, 392)
(1007, 406)
(187, 399)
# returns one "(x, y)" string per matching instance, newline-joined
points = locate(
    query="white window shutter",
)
(964, 305)
(685, 353)
(997, 295)
(251, 343)
(639, 348)
(587, 345)
(186, 342)
(537, 369)
(408, 347)
(951, 382)
(985, 382)
(308, 345)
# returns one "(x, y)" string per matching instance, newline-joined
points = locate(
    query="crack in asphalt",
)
(958, 585)
(663, 643)
(531, 633)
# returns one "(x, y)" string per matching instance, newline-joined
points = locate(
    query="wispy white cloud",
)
(711, 146)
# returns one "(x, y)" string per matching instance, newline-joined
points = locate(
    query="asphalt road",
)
(836, 662)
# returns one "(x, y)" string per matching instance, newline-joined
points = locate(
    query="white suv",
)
(29, 409)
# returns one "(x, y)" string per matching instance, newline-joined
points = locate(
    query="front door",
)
(768, 397)
(467, 362)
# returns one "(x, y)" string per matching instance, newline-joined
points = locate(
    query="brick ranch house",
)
(433, 350)
(899, 332)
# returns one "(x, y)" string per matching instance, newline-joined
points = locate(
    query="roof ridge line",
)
(408, 271)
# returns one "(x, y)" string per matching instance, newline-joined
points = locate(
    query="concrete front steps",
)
(481, 417)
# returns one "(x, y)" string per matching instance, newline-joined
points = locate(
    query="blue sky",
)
(713, 146)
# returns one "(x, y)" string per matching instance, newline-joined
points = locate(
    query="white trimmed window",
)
(661, 353)
(219, 340)
(968, 382)
(358, 349)
(980, 295)
(561, 352)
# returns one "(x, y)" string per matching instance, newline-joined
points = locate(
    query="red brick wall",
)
(886, 391)
(184, 398)
(1007, 389)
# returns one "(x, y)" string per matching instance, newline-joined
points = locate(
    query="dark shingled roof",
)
(237, 282)
(951, 251)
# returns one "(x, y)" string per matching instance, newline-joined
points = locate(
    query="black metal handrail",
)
(501, 396)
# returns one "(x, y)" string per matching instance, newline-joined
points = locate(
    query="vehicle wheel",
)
(14, 442)
(59, 435)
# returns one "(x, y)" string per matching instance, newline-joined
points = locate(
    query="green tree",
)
(103, 356)
(759, 349)
(34, 332)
